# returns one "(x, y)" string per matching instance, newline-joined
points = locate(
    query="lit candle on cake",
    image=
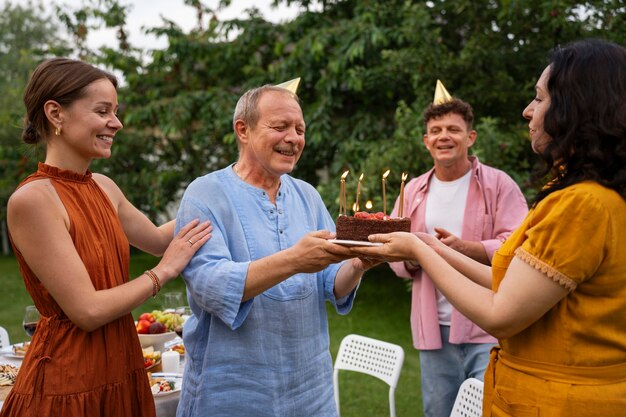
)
(343, 202)
(384, 193)
(401, 208)
(358, 191)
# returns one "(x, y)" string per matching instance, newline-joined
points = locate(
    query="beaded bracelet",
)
(156, 282)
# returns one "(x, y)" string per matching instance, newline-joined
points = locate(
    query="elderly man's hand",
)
(314, 252)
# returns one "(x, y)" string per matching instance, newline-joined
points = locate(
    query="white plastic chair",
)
(4, 338)
(469, 400)
(369, 356)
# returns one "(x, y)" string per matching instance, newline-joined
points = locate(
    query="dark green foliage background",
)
(368, 69)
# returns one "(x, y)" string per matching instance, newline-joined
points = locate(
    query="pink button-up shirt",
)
(495, 207)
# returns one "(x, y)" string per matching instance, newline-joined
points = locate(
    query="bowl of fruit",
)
(156, 328)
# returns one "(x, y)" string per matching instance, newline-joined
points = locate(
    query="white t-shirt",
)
(445, 208)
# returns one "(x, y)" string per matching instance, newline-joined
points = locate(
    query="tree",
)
(27, 36)
(368, 69)
(176, 102)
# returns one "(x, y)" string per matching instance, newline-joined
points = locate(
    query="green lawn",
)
(381, 311)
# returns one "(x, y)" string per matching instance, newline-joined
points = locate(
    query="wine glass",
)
(185, 315)
(173, 302)
(31, 318)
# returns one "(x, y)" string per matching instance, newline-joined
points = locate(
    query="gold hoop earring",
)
(57, 131)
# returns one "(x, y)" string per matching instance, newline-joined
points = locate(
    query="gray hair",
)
(247, 108)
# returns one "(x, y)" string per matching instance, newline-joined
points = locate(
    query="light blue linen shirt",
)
(268, 356)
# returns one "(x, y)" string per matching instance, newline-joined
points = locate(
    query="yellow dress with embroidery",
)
(572, 361)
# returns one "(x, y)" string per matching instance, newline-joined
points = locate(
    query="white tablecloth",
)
(166, 406)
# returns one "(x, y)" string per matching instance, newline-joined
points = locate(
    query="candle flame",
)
(369, 204)
(361, 177)
(404, 176)
(386, 173)
(354, 207)
(344, 175)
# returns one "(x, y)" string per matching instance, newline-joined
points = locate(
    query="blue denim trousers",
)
(444, 370)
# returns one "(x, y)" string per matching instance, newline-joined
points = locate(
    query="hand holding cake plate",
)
(396, 247)
(354, 242)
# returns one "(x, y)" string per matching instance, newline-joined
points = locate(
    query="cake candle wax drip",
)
(401, 208)
(384, 193)
(358, 191)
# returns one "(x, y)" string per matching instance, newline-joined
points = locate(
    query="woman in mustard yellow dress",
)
(555, 296)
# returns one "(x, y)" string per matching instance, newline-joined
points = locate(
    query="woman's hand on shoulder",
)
(185, 244)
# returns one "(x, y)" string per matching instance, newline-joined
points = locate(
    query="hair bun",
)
(29, 134)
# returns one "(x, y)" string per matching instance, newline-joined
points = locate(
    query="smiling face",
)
(535, 112)
(89, 124)
(274, 145)
(448, 139)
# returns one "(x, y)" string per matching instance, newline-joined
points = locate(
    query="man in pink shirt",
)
(472, 208)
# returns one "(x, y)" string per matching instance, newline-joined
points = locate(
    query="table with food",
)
(164, 355)
(163, 351)
(10, 361)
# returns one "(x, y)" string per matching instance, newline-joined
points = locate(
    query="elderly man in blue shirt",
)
(257, 343)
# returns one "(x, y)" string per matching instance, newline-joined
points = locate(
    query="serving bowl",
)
(157, 341)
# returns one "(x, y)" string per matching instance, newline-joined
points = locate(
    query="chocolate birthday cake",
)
(364, 224)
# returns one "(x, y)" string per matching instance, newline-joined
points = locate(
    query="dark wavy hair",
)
(586, 118)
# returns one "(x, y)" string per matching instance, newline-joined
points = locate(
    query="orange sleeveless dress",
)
(67, 371)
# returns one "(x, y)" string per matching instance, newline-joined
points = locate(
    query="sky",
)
(148, 13)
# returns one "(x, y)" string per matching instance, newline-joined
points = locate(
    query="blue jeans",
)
(444, 370)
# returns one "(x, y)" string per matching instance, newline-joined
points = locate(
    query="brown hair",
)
(62, 80)
(456, 106)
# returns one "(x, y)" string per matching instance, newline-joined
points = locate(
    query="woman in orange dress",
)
(555, 296)
(70, 230)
